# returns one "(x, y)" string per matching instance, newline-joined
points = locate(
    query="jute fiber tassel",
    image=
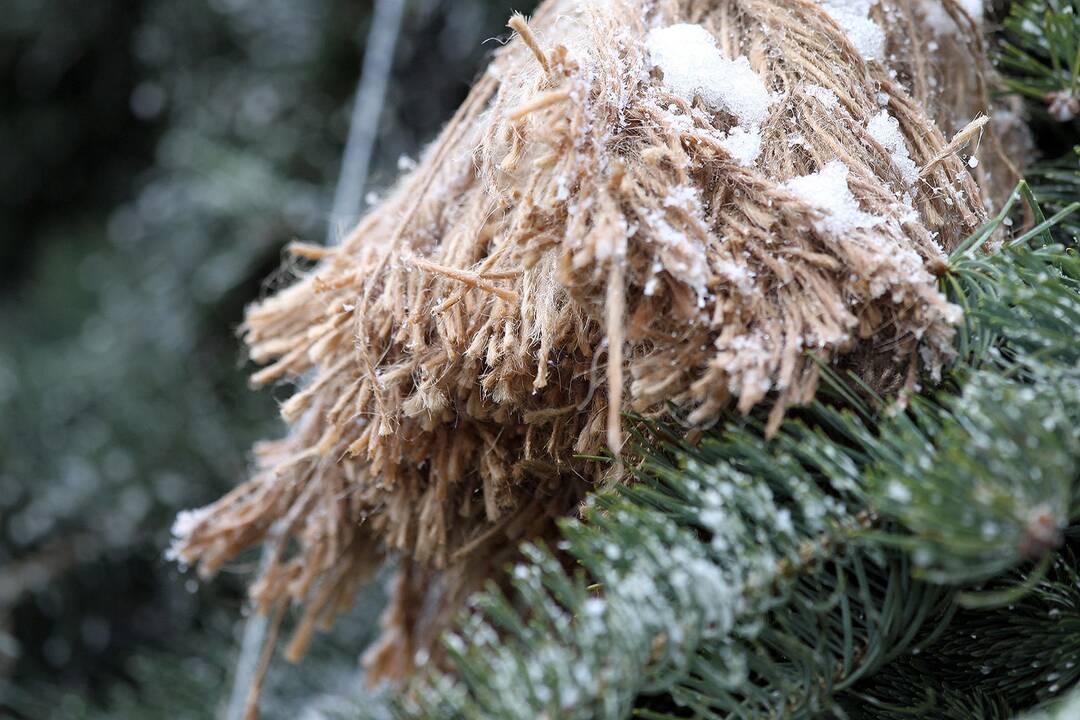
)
(669, 207)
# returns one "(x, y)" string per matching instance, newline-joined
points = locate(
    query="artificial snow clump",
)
(823, 95)
(885, 129)
(744, 145)
(828, 191)
(694, 66)
(853, 17)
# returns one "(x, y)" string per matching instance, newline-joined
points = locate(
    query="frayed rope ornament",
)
(658, 206)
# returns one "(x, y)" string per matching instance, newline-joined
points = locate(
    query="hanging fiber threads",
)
(670, 207)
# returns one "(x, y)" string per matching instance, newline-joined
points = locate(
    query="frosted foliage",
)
(1065, 710)
(827, 190)
(885, 129)
(668, 588)
(665, 587)
(693, 65)
(1009, 430)
(853, 17)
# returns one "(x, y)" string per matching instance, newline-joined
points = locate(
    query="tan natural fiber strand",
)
(959, 140)
(582, 241)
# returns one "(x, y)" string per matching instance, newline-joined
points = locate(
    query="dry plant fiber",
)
(662, 206)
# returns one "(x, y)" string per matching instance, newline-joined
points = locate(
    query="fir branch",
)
(1057, 183)
(980, 482)
(745, 577)
(1066, 709)
(1017, 656)
(730, 592)
(1041, 54)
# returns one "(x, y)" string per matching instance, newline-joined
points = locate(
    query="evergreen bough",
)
(1041, 54)
(879, 559)
(743, 577)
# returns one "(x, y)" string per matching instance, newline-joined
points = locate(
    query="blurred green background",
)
(157, 155)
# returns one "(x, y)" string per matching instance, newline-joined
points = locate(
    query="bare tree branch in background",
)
(363, 131)
(364, 128)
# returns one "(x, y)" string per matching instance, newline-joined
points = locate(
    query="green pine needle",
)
(1041, 52)
(744, 577)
